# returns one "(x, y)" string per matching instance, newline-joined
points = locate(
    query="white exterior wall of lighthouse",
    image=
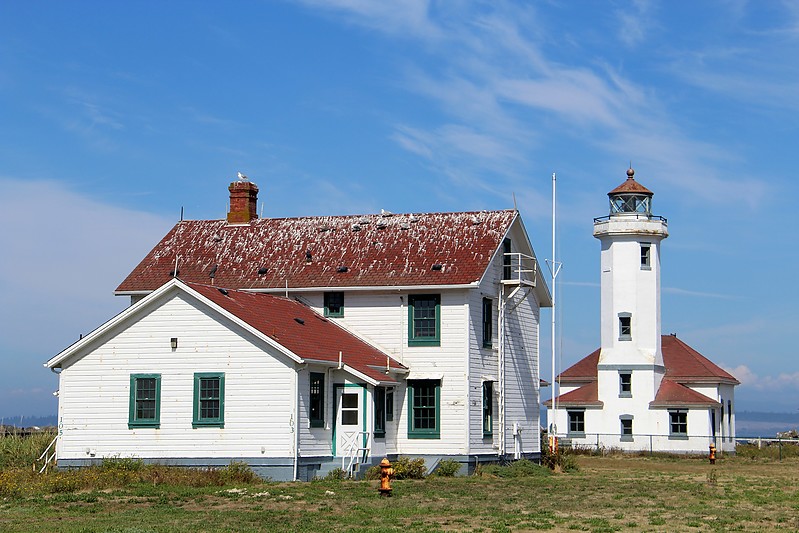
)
(626, 287)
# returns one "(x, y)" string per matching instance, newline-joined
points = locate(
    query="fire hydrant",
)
(386, 473)
(712, 455)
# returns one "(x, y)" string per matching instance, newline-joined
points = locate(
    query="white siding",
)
(521, 331)
(259, 400)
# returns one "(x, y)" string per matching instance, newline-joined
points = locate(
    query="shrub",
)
(561, 460)
(237, 472)
(405, 468)
(447, 468)
(339, 474)
(372, 473)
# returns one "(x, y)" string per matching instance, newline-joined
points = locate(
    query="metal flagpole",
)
(554, 269)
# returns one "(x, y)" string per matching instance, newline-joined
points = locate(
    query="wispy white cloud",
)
(500, 84)
(700, 294)
(784, 381)
(635, 21)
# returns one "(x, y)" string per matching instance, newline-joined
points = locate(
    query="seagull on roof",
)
(242, 177)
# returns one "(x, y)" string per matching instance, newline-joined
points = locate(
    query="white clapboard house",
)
(640, 390)
(298, 345)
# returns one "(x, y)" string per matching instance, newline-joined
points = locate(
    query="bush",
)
(447, 468)
(561, 460)
(237, 472)
(339, 474)
(405, 468)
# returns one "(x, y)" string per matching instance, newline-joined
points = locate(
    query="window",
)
(380, 412)
(488, 408)
(209, 400)
(145, 401)
(390, 404)
(625, 384)
(334, 304)
(317, 400)
(626, 428)
(646, 256)
(424, 320)
(349, 409)
(576, 423)
(625, 327)
(424, 397)
(507, 270)
(488, 320)
(678, 424)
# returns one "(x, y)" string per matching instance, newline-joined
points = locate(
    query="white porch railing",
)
(356, 450)
(47, 455)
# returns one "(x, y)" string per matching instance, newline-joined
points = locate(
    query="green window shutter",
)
(145, 401)
(424, 320)
(209, 400)
(317, 400)
(424, 409)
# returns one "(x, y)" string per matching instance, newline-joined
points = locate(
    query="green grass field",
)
(615, 493)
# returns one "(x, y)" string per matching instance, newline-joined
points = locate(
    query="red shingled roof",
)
(673, 394)
(581, 371)
(378, 251)
(684, 364)
(587, 395)
(300, 329)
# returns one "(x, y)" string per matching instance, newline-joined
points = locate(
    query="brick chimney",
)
(243, 202)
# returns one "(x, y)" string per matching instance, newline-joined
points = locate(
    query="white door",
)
(349, 434)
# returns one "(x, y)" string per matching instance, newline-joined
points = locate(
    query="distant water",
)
(754, 424)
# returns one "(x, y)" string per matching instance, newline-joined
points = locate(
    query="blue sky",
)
(115, 115)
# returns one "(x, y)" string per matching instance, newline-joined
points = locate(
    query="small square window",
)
(625, 327)
(626, 427)
(625, 384)
(678, 424)
(646, 256)
(334, 304)
(576, 423)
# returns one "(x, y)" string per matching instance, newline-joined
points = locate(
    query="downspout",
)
(297, 423)
(501, 369)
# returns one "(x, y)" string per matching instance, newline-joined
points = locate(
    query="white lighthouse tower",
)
(630, 366)
(641, 390)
